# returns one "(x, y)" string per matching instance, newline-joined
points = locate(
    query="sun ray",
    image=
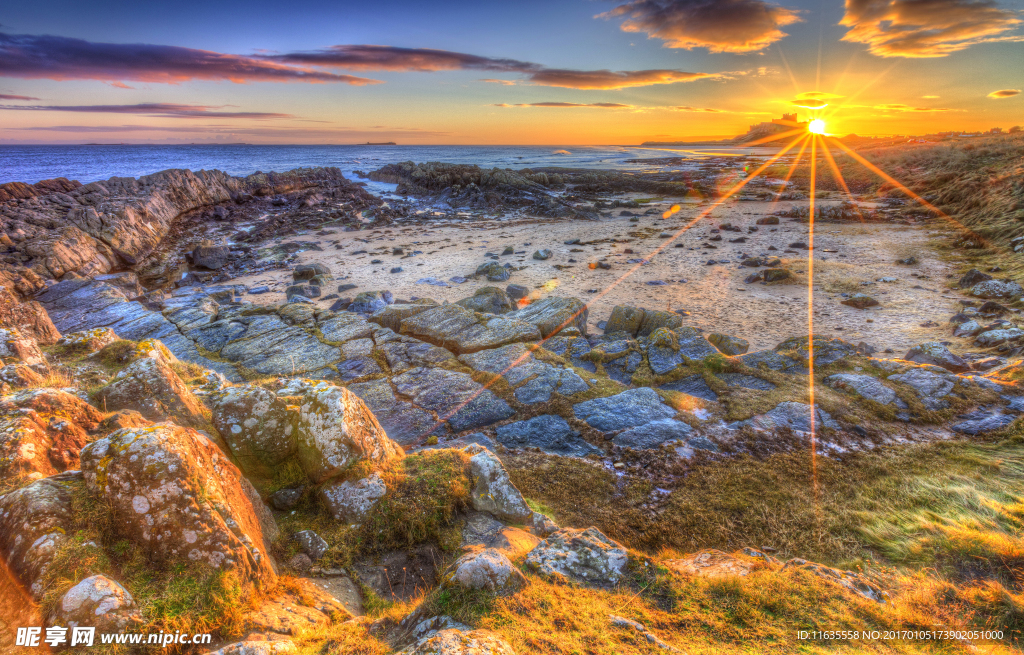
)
(839, 177)
(789, 174)
(810, 313)
(532, 347)
(774, 137)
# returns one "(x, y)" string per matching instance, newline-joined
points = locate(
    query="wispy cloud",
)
(718, 25)
(296, 133)
(391, 58)
(155, 109)
(908, 108)
(702, 110)
(569, 105)
(61, 58)
(926, 28)
(4, 96)
(606, 79)
(496, 81)
(1004, 93)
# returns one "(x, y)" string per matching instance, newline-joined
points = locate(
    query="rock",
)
(30, 318)
(792, 415)
(351, 502)
(42, 432)
(692, 385)
(302, 291)
(211, 257)
(34, 521)
(728, 345)
(486, 569)
(99, 602)
(711, 563)
(15, 345)
(968, 328)
(178, 500)
(653, 434)
(996, 337)
(997, 289)
(859, 301)
(862, 385)
(555, 315)
(938, 354)
(488, 300)
(625, 410)
(369, 302)
(826, 350)
(154, 390)
(455, 397)
(301, 606)
(494, 272)
(854, 582)
(257, 426)
(336, 430)
(973, 277)
(548, 432)
(392, 316)
(745, 381)
(585, 556)
(533, 380)
(980, 422)
(907, 261)
(309, 271)
(542, 254)
(88, 341)
(312, 544)
(462, 331)
(456, 642)
(625, 319)
(517, 291)
(493, 491)
(930, 386)
(285, 499)
(20, 376)
(768, 220)
(252, 646)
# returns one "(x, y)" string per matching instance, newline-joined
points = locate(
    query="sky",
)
(566, 72)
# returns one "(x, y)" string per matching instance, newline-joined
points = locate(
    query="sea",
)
(91, 163)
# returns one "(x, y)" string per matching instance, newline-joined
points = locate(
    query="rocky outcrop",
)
(152, 388)
(178, 499)
(257, 426)
(463, 331)
(42, 432)
(457, 642)
(14, 345)
(555, 315)
(34, 522)
(29, 318)
(585, 556)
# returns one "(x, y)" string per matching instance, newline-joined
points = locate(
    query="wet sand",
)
(715, 296)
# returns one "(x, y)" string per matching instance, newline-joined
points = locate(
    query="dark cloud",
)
(390, 58)
(4, 96)
(1004, 93)
(926, 28)
(61, 58)
(570, 105)
(156, 109)
(718, 25)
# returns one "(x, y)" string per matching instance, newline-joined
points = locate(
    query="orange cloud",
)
(907, 108)
(718, 25)
(502, 82)
(1004, 93)
(569, 105)
(606, 79)
(926, 28)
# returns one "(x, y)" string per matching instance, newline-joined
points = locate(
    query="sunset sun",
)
(817, 126)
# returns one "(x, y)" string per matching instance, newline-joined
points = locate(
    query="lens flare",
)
(817, 126)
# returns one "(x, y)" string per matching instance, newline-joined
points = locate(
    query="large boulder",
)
(585, 556)
(493, 491)
(179, 500)
(211, 257)
(153, 389)
(257, 426)
(554, 315)
(34, 521)
(309, 271)
(488, 300)
(997, 289)
(336, 430)
(98, 602)
(462, 331)
(485, 569)
(42, 432)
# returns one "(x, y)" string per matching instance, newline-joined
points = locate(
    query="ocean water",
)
(87, 163)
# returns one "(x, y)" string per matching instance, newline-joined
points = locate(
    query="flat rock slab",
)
(693, 385)
(628, 409)
(550, 433)
(403, 422)
(792, 415)
(745, 381)
(533, 380)
(453, 396)
(462, 331)
(653, 434)
(864, 386)
(980, 422)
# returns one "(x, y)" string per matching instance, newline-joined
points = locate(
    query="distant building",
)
(787, 123)
(996, 130)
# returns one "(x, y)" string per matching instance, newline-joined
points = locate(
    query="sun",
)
(817, 126)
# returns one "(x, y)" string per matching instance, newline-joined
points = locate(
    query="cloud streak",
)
(4, 96)
(606, 79)
(1004, 93)
(569, 105)
(60, 58)
(718, 25)
(154, 109)
(926, 28)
